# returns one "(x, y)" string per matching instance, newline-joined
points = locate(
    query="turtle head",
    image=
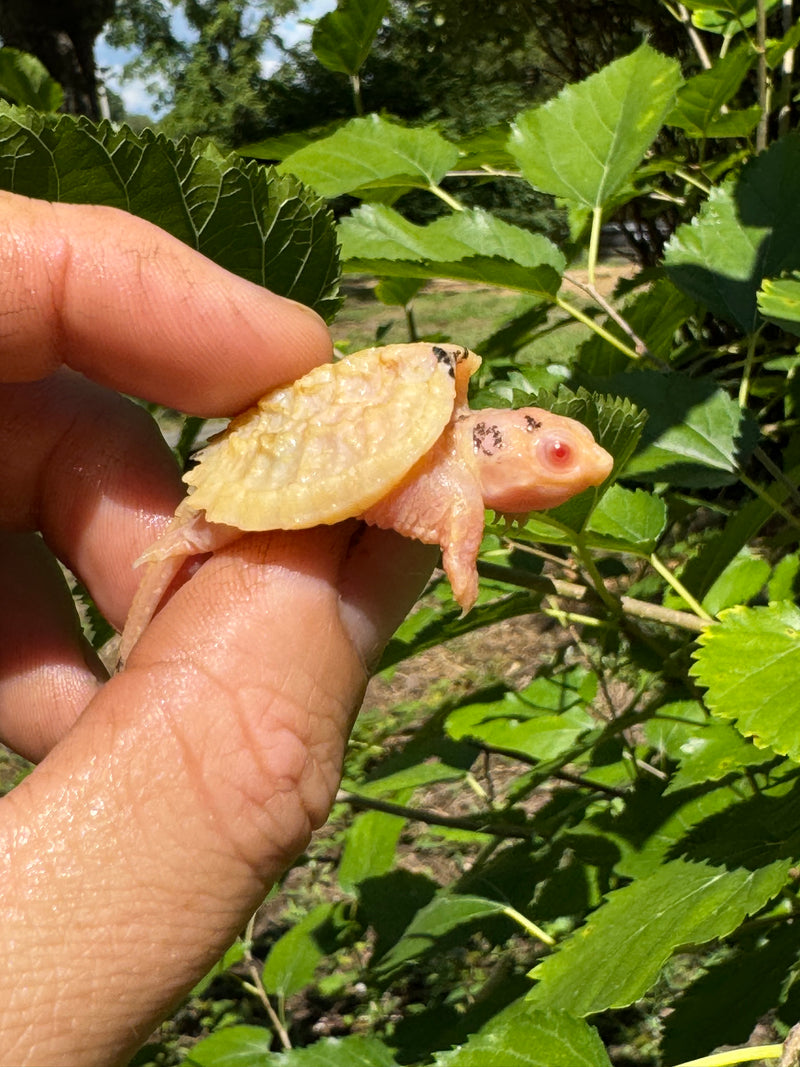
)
(531, 460)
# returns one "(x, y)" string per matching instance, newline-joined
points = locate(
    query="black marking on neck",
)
(487, 438)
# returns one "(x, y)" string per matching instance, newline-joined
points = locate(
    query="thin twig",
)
(641, 609)
(694, 36)
(255, 985)
(639, 345)
(480, 824)
(763, 84)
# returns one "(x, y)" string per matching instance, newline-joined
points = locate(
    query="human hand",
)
(169, 797)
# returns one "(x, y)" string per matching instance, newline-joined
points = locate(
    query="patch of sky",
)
(139, 96)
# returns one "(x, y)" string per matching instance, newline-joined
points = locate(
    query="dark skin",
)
(170, 797)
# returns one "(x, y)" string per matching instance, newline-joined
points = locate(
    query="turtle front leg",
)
(439, 502)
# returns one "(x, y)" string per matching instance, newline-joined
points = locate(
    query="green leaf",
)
(355, 1050)
(628, 520)
(696, 434)
(342, 39)
(585, 144)
(615, 958)
(469, 246)
(273, 149)
(293, 959)
(541, 722)
(444, 913)
(24, 80)
(520, 1036)
(673, 724)
(232, 956)
(779, 301)
(742, 579)
(265, 227)
(726, 17)
(372, 153)
(487, 148)
(776, 50)
(749, 664)
(234, 1046)
(747, 230)
(369, 847)
(430, 627)
(697, 108)
(654, 826)
(397, 292)
(714, 751)
(417, 776)
(782, 585)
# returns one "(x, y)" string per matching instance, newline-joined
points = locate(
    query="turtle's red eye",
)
(557, 452)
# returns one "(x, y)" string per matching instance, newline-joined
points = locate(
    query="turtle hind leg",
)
(187, 536)
(158, 576)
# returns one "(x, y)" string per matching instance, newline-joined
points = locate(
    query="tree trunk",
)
(61, 33)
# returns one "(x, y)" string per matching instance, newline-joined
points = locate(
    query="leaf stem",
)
(358, 102)
(526, 924)
(747, 372)
(679, 588)
(588, 564)
(594, 241)
(763, 83)
(451, 201)
(764, 495)
(737, 1055)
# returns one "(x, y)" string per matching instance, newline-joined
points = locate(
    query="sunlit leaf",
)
(630, 520)
(520, 1036)
(615, 958)
(742, 579)
(779, 301)
(697, 109)
(372, 153)
(541, 721)
(234, 1046)
(469, 245)
(749, 664)
(585, 144)
(714, 751)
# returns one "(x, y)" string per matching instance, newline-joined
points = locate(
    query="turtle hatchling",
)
(385, 435)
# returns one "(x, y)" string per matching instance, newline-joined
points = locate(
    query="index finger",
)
(133, 308)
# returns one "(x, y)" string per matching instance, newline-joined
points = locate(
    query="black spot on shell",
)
(443, 356)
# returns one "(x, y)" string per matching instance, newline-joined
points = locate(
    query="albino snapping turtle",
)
(385, 435)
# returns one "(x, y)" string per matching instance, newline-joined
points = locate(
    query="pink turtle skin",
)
(510, 461)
